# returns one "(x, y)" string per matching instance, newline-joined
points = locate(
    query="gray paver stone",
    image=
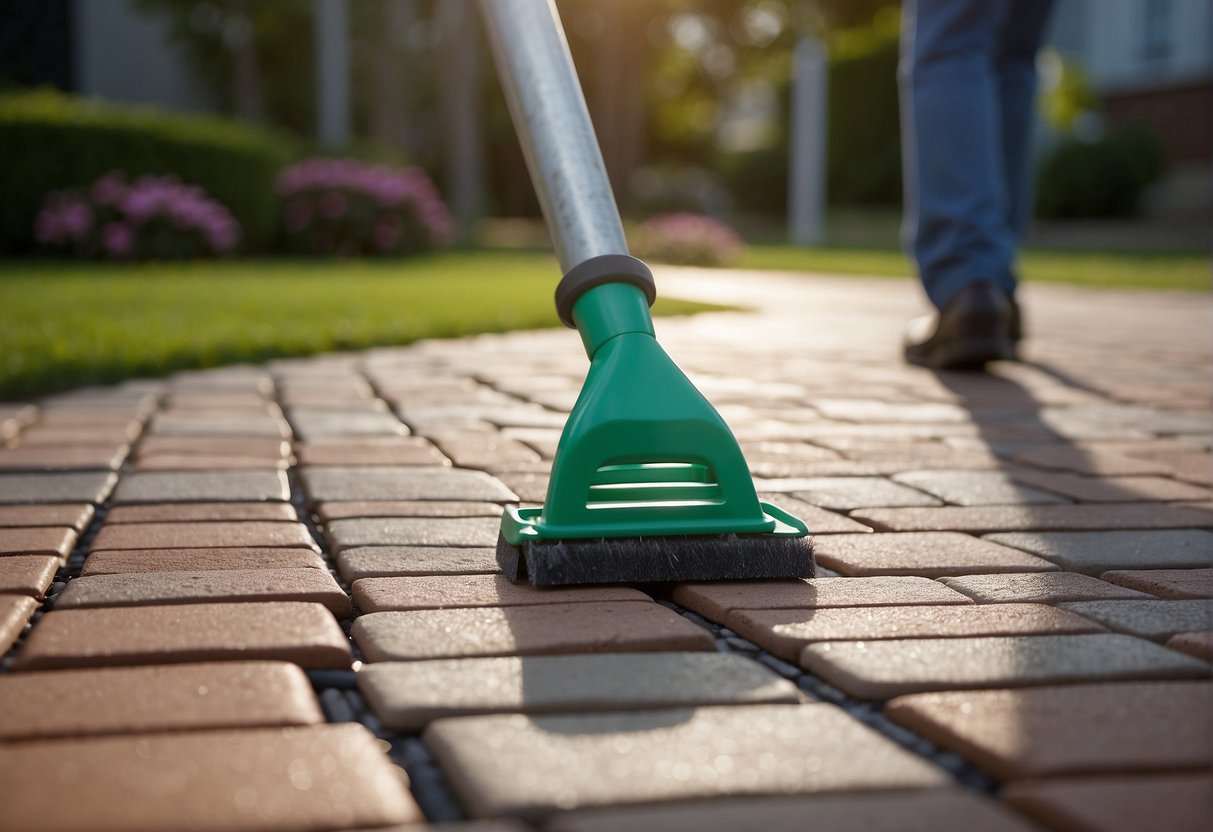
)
(884, 669)
(529, 767)
(413, 483)
(408, 695)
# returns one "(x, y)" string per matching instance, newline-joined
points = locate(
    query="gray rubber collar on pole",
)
(597, 271)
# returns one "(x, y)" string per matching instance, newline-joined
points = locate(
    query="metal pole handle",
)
(553, 125)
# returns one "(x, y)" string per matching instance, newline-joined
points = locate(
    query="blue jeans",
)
(968, 89)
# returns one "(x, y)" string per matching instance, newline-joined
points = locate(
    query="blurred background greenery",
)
(690, 99)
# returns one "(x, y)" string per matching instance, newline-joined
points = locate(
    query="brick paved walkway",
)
(254, 598)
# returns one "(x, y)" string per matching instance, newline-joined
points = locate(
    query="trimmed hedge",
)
(1102, 178)
(49, 141)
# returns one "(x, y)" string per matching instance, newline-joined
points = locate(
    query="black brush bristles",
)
(614, 560)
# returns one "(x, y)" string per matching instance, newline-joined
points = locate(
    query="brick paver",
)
(1081, 729)
(89, 487)
(303, 633)
(1039, 587)
(136, 700)
(388, 561)
(1175, 802)
(1166, 583)
(37, 541)
(405, 508)
(201, 535)
(397, 483)
(1096, 552)
(884, 669)
(582, 761)
(454, 591)
(28, 574)
(114, 561)
(929, 810)
(200, 513)
(716, 600)
(1153, 619)
(413, 531)
(930, 554)
(982, 519)
(202, 486)
(203, 585)
(526, 631)
(1073, 491)
(408, 695)
(320, 777)
(15, 612)
(73, 516)
(786, 632)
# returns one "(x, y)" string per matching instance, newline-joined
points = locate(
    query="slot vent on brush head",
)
(659, 485)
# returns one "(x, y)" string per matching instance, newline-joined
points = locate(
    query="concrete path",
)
(265, 598)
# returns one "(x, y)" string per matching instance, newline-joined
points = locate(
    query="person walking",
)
(967, 79)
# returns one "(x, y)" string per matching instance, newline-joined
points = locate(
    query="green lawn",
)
(1120, 270)
(65, 324)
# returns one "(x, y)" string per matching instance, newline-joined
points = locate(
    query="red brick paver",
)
(135, 700)
(303, 633)
(28, 574)
(1166, 583)
(114, 561)
(1175, 802)
(930, 810)
(321, 777)
(1082, 729)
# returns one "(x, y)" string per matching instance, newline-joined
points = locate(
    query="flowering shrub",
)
(349, 208)
(152, 217)
(687, 239)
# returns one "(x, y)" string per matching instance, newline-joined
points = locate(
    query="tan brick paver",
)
(202, 486)
(405, 508)
(37, 541)
(201, 535)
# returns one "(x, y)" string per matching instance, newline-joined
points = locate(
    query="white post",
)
(330, 19)
(807, 165)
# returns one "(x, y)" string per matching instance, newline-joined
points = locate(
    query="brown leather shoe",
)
(977, 326)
